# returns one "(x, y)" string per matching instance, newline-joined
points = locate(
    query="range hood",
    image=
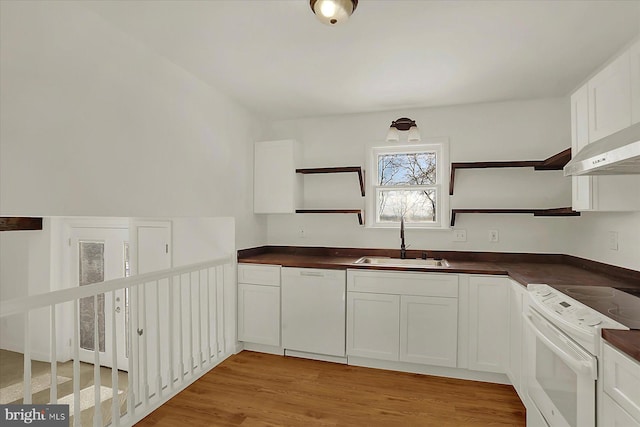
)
(617, 154)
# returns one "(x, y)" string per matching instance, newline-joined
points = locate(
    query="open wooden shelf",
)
(334, 211)
(555, 162)
(536, 212)
(15, 223)
(356, 169)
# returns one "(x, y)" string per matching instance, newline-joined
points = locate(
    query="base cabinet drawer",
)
(622, 380)
(614, 416)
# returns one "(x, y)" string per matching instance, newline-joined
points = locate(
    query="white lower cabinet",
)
(621, 397)
(259, 304)
(515, 366)
(488, 323)
(614, 416)
(406, 317)
(373, 325)
(428, 330)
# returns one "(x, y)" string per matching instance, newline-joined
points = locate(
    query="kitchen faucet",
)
(403, 248)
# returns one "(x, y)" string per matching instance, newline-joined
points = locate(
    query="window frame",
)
(438, 145)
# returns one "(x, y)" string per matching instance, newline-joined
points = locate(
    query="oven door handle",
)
(578, 366)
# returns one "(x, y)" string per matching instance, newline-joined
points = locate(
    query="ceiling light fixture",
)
(403, 124)
(333, 12)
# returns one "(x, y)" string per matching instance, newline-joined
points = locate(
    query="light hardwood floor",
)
(254, 389)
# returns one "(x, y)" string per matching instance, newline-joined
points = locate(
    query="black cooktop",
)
(619, 304)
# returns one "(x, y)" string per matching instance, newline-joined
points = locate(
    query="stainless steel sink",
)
(397, 262)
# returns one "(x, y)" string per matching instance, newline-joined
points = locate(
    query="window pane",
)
(91, 271)
(417, 206)
(407, 169)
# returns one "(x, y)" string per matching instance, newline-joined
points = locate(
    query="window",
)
(407, 182)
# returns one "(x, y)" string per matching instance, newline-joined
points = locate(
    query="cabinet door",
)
(259, 314)
(277, 187)
(373, 325)
(429, 330)
(610, 99)
(634, 59)
(488, 323)
(516, 332)
(614, 416)
(581, 198)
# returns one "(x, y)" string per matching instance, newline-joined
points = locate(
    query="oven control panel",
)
(570, 311)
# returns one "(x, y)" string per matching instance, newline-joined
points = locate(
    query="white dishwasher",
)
(314, 310)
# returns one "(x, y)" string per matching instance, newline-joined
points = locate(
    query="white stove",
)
(579, 321)
(563, 342)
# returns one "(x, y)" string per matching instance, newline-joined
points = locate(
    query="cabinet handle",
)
(312, 273)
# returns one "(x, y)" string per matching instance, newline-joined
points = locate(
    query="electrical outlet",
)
(612, 241)
(459, 235)
(301, 233)
(493, 236)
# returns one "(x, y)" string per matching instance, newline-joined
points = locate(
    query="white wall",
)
(590, 238)
(520, 130)
(93, 123)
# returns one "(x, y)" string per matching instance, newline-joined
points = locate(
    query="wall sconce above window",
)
(333, 12)
(403, 124)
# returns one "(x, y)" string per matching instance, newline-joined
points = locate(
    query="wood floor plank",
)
(255, 389)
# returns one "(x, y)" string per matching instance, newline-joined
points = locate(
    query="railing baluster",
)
(144, 352)
(223, 344)
(133, 324)
(115, 406)
(53, 391)
(199, 353)
(181, 331)
(171, 343)
(215, 313)
(26, 398)
(76, 363)
(191, 362)
(97, 414)
(158, 347)
(208, 308)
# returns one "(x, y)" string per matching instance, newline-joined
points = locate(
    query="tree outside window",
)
(407, 185)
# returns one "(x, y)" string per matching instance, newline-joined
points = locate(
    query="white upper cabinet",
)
(606, 104)
(610, 99)
(276, 186)
(581, 185)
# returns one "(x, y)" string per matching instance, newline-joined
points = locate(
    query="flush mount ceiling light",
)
(333, 12)
(403, 124)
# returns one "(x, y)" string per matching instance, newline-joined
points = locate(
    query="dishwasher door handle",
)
(312, 273)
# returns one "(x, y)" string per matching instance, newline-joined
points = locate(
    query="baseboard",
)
(19, 348)
(438, 371)
(262, 348)
(314, 356)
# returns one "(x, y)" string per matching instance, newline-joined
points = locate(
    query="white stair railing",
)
(176, 328)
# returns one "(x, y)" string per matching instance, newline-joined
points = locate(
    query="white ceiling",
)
(276, 59)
